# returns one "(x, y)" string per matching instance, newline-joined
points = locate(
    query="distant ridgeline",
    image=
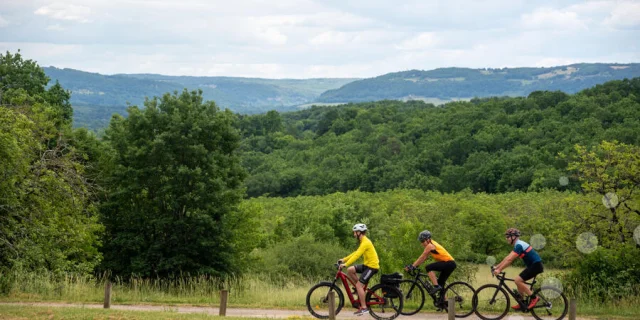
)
(447, 84)
(95, 97)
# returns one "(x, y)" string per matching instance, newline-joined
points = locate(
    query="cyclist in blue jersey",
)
(530, 258)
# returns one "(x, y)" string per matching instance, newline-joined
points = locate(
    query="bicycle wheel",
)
(491, 302)
(553, 304)
(413, 296)
(318, 299)
(384, 302)
(462, 294)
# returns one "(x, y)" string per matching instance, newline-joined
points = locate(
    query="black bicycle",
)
(413, 291)
(492, 301)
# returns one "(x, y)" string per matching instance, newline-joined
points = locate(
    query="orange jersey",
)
(440, 254)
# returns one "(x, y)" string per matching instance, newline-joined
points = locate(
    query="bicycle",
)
(414, 298)
(491, 299)
(384, 301)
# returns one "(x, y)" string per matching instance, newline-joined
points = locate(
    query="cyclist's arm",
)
(425, 254)
(350, 259)
(506, 261)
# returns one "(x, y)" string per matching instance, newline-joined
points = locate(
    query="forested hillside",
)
(95, 97)
(447, 84)
(487, 145)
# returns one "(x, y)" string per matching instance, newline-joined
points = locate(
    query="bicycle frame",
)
(418, 277)
(502, 277)
(347, 282)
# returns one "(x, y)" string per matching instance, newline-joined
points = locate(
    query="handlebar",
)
(502, 274)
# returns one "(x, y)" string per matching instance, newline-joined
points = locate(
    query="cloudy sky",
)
(316, 38)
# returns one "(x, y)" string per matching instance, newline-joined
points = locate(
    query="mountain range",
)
(95, 97)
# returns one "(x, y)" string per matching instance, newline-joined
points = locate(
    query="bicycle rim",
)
(318, 300)
(553, 304)
(462, 294)
(491, 302)
(384, 302)
(413, 297)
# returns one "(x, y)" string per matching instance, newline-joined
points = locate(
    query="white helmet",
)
(360, 227)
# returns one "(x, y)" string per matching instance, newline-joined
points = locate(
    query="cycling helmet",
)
(512, 232)
(424, 235)
(360, 227)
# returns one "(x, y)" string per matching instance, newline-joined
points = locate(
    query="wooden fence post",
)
(107, 294)
(452, 308)
(572, 309)
(332, 305)
(224, 294)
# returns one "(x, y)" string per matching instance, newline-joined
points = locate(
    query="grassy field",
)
(31, 312)
(250, 291)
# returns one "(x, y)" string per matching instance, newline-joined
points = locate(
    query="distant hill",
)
(95, 97)
(447, 84)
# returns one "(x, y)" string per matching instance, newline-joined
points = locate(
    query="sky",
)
(314, 39)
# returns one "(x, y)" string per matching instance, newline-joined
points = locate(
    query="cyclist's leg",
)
(436, 266)
(352, 272)
(446, 272)
(527, 274)
(365, 275)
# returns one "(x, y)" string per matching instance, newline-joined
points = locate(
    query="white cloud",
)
(549, 18)
(421, 41)
(625, 15)
(65, 11)
(3, 22)
(314, 38)
(330, 38)
(55, 27)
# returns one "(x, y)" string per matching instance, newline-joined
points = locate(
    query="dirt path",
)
(245, 312)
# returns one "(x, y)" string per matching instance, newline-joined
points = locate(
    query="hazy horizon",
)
(316, 39)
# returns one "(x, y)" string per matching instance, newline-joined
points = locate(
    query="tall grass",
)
(246, 291)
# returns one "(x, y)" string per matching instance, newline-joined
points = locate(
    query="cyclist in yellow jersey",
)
(444, 261)
(367, 270)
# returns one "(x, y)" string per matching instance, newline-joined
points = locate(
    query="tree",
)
(176, 182)
(17, 73)
(612, 171)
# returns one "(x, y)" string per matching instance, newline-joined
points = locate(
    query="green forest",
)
(179, 187)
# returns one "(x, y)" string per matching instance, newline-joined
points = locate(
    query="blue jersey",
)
(526, 253)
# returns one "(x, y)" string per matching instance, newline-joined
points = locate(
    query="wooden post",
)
(452, 308)
(224, 294)
(107, 294)
(572, 309)
(332, 305)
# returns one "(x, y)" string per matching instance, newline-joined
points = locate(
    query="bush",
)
(607, 274)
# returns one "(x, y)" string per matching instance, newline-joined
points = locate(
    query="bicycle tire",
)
(498, 302)
(317, 299)
(413, 297)
(463, 294)
(378, 300)
(550, 297)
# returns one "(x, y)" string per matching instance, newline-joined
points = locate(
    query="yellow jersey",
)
(370, 255)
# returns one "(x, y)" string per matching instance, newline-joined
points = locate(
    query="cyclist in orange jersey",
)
(444, 261)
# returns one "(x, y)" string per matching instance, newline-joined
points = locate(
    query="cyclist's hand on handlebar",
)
(410, 268)
(495, 271)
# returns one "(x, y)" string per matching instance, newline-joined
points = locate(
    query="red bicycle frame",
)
(347, 282)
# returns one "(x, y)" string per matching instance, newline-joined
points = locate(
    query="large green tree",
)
(173, 189)
(48, 218)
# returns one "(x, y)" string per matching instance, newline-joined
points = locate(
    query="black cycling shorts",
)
(445, 268)
(365, 273)
(532, 271)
